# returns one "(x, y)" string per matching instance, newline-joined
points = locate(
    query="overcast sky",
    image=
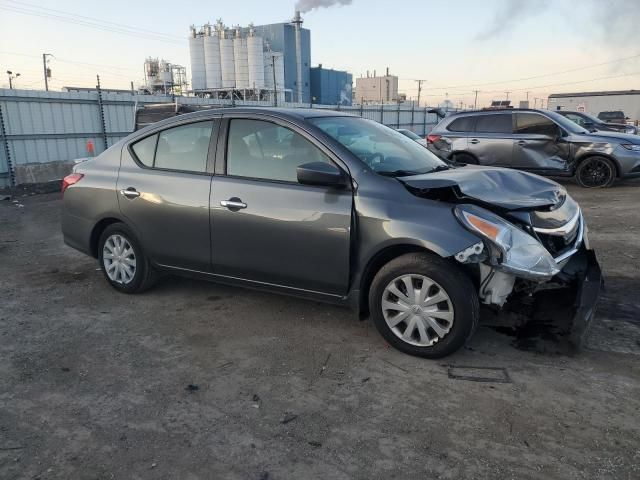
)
(457, 46)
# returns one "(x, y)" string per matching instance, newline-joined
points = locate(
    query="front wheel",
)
(596, 172)
(122, 260)
(423, 305)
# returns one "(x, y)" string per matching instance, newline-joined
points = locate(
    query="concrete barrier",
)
(42, 172)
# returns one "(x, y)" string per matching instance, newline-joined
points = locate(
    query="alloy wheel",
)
(417, 310)
(119, 259)
(595, 173)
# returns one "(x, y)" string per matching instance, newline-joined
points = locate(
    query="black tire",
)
(145, 275)
(449, 277)
(465, 158)
(596, 172)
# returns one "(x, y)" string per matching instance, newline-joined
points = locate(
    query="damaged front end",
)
(536, 267)
(532, 260)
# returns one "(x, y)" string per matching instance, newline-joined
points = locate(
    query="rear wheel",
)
(596, 172)
(122, 260)
(465, 158)
(423, 305)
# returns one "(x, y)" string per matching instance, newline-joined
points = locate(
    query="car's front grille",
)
(559, 242)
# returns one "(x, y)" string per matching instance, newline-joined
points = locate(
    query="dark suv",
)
(614, 116)
(540, 141)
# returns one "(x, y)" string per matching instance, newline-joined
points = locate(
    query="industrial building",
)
(377, 89)
(627, 101)
(331, 87)
(253, 62)
(162, 78)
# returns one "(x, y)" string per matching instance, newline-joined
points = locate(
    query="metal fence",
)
(39, 127)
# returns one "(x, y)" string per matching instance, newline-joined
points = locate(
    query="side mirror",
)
(320, 173)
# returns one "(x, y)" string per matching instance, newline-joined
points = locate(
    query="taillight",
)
(433, 138)
(70, 180)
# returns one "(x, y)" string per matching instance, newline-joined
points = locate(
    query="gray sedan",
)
(333, 208)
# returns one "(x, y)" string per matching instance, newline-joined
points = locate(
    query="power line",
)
(502, 82)
(96, 26)
(92, 19)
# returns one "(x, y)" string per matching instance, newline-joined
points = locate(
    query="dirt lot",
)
(95, 384)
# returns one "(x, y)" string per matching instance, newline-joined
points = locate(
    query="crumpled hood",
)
(502, 187)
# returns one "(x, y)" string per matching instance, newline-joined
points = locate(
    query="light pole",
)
(12, 76)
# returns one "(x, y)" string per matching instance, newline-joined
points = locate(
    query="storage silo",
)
(213, 69)
(241, 60)
(196, 53)
(255, 54)
(227, 61)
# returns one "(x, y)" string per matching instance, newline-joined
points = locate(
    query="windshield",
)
(592, 118)
(565, 123)
(410, 134)
(381, 148)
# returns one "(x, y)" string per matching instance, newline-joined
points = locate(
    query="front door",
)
(268, 228)
(163, 191)
(538, 144)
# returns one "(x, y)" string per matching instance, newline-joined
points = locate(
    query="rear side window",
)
(464, 124)
(495, 123)
(184, 148)
(145, 149)
(534, 124)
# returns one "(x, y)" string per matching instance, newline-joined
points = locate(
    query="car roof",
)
(292, 114)
(499, 110)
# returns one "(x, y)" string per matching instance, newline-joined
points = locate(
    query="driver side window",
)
(265, 150)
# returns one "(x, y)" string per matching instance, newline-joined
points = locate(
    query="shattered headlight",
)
(513, 250)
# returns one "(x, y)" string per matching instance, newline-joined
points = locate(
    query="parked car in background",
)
(593, 123)
(335, 208)
(413, 136)
(539, 141)
(614, 116)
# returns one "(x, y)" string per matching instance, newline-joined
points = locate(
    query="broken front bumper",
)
(561, 310)
(586, 299)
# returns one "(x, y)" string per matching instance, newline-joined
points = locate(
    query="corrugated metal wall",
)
(46, 127)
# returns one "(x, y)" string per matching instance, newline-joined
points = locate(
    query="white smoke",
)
(508, 16)
(307, 5)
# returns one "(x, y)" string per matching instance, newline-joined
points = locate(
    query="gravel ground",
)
(195, 380)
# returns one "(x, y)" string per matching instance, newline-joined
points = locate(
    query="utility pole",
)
(419, 90)
(47, 72)
(275, 85)
(475, 101)
(507, 95)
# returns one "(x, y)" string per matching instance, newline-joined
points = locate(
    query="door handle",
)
(233, 203)
(522, 143)
(474, 141)
(130, 192)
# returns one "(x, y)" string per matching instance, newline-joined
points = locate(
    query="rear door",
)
(492, 140)
(538, 144)
(163, 191)
(265, 226)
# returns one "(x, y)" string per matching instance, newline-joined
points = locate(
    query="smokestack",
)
(297, 23)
